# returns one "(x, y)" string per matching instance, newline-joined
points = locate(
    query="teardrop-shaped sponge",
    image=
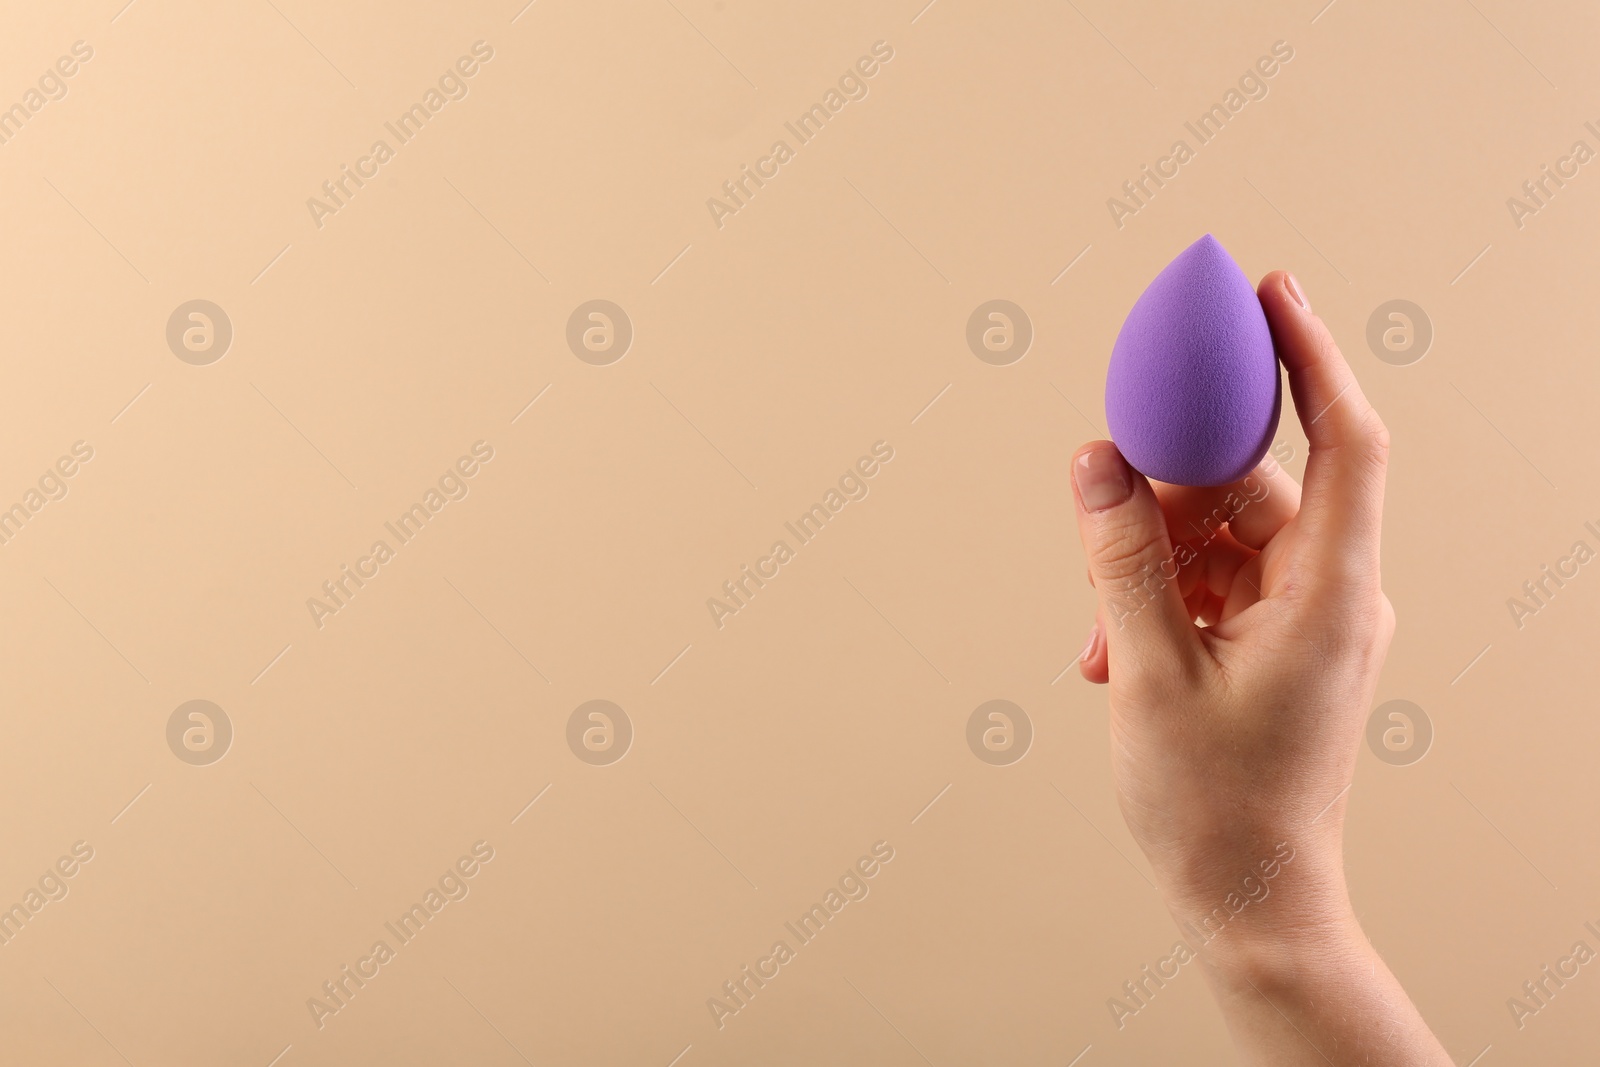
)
(1192, 392)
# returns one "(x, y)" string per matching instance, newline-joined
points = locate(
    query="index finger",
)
(1342, 501)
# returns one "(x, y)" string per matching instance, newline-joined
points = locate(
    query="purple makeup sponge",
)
(1192, 392)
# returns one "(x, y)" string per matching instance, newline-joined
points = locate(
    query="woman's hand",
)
(1234, 742)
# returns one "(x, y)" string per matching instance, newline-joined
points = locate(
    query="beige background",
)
(768, 355)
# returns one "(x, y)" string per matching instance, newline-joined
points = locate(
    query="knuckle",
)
(1324, 349)
(1375, 439)
(1362, 449)
(1126, 554)
(1359, 624)
(1386, 621)
(1350, 579)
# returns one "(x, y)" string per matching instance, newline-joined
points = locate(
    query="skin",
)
(1235, 742)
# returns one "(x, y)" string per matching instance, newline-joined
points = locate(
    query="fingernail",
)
(1103, 479)
(1295, 291)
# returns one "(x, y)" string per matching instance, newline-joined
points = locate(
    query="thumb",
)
(1131, 561)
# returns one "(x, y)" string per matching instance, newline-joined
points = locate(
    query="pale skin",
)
(1234, 737)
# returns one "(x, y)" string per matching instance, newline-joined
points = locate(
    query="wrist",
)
(1278, 960)
(1263, 919)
